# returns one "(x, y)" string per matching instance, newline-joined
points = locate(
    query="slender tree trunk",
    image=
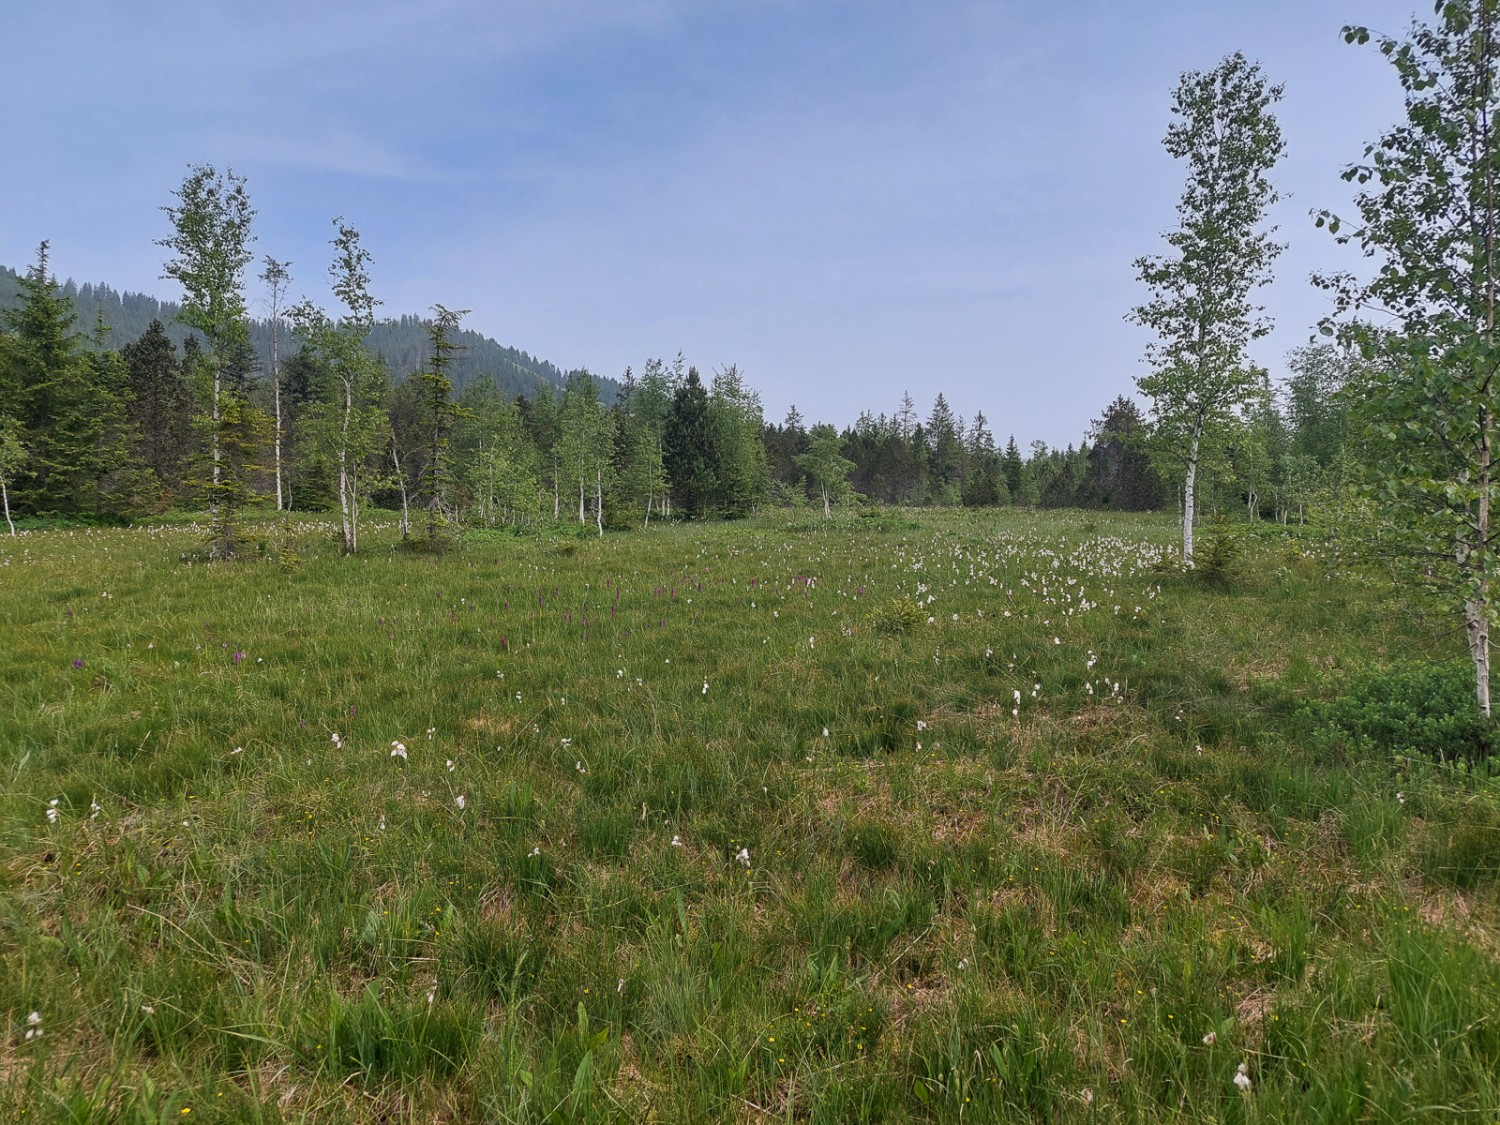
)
(214, 434)
(489, 491)
(434, 470)
(827, 511)
(276, 398)
(1477, 605)
(220, 531)
(581, 480)
(5, 501)
(405, 501)
(599, 500)
(1189, 496)
(344, 501)
(1477, 622)
(346, 479)
(649, 498)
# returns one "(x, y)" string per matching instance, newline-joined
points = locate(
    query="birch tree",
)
(827, 467)
(1426, 402)
(349, 423)
(585, 443)
(277, 276)
(210, 245)
(501, 463)
(1201, 306)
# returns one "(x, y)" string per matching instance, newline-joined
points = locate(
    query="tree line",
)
(314, 419)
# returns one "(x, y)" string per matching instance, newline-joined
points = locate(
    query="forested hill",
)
(402, 341)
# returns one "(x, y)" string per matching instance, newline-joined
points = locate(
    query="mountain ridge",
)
(401, 340)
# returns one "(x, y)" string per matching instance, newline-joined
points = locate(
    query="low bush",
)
(1414, 709)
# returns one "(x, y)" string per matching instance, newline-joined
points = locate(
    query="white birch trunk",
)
(276, 396)
(1477, 622)
(405, 500)
(599, 501)
(213, 505)
(344, 500)
(489, 491)
(346, 478)
(1477, 606)
(5, 501)
(1189, 497)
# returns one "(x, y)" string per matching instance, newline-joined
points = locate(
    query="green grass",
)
(753, 828)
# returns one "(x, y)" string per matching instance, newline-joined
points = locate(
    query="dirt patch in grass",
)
(1155, 889)
(631, 1089)
(1459, 913)
(495, 905)
(1252, 1009)
(1030, 827)
(1247, 675)
(490, 724)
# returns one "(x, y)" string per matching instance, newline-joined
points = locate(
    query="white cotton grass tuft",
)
(1242, 1076)
(398, 751)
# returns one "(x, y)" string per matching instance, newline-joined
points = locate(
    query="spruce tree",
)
(687, 446)
(161, 406)
(440, 412)
(65, 409)
(1011, 466)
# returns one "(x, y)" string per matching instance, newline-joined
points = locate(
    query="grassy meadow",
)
(926, 817)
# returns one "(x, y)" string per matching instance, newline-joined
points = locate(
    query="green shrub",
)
(896, 616)
(1419, 709)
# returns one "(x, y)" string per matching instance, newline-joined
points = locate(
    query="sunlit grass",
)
(923, 817)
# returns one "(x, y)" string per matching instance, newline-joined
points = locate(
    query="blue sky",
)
(847, 198)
